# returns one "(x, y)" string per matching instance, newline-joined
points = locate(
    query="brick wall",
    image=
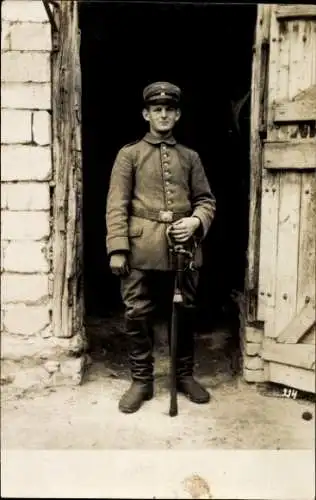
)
(26, 171)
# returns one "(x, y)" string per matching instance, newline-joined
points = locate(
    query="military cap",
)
(162, 92)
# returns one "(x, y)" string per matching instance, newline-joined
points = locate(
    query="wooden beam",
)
(288, 155)
(258, 101)
(298, 378)
(67, 258)
(301, 355)
(295, 111)
(310, 337)
(295, 11)
(301, 108)
(299, 325)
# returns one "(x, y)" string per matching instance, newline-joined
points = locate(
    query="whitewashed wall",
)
(26, 172)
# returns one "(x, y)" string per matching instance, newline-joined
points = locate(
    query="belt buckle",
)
(165, 215)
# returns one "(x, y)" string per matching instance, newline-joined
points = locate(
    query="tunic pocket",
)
(135, 231)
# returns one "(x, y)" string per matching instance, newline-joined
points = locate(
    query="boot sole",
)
(124, 409)
(193, 400)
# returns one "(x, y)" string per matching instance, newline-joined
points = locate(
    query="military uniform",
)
(155, 182)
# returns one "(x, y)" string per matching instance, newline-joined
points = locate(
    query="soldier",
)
(156, 184)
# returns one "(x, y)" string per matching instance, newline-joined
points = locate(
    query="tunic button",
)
(165, 164)
(169, 202)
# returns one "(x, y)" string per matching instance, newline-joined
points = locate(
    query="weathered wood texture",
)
(290, 155)
(299, 326)
(258, 123)
(67, 232)
(301, 355)
(296, 11)
(288, 205)
(301, 109)
(298, 378)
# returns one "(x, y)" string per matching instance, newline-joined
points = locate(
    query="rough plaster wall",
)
(26, 171)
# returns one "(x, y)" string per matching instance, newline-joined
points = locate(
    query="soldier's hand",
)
(119, 264)
(183, 229)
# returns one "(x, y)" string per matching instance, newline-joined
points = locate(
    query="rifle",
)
(179, 252)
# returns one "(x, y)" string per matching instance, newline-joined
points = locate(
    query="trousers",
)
(147, 295)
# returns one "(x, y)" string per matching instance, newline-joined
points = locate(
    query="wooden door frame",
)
(66, 185)
(258, 131)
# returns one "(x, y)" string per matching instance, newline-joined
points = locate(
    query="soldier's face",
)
(161, 117)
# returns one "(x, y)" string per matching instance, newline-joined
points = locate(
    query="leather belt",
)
(166, 216)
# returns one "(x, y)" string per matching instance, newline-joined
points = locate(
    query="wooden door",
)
(68, 306)
(284, 208)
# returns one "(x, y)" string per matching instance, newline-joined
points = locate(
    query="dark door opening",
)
(207, 51)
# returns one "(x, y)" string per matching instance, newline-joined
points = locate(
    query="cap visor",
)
(163, 100)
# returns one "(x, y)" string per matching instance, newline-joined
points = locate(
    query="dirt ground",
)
(239, 416)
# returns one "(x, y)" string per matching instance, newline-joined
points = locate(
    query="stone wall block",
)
(25, 196)
(20, 319)
(25, 163)
(26, 95)
(31, 36)
(26, 257)
(16, 126)
(17, 66)
(253, 362)
(24, 288)
(254, 376)
(24, 10)
(41, 128)
(253, 334)
(25, 225)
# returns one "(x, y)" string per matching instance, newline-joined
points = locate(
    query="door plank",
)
(301, 355)
(286, 274)
(295, 11)
(300, 324)
(303, 106)
(292, 376)
(268, 248)
(295, 112)
(290, 192)
(258, 99)
(269, 200)
(290, 155)
(306, 287)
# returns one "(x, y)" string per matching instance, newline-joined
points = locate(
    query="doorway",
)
(207, 51)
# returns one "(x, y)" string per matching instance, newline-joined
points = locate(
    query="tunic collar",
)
(157, 140)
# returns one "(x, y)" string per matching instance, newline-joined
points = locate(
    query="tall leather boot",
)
(186, 383)
(141, 366)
